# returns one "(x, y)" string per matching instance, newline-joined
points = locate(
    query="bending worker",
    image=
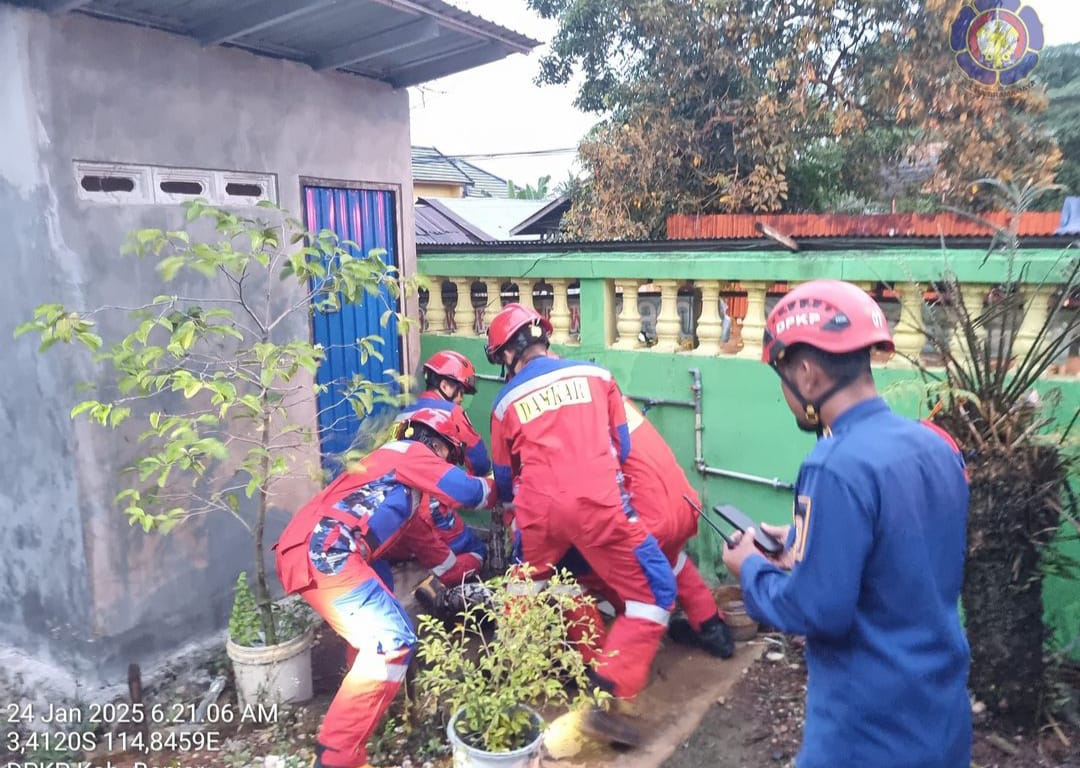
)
(558, 434)
(328, 554)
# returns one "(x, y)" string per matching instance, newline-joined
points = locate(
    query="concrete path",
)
(685, 684)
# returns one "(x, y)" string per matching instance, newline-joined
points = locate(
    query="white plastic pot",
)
(275, 674)
(471, 757)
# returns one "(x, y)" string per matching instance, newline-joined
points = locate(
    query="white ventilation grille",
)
(114, 183)
(124, 184)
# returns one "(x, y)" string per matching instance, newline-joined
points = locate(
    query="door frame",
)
(399, 242)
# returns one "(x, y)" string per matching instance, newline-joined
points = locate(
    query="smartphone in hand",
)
(738, 519)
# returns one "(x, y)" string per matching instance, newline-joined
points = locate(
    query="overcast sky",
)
(497, 108)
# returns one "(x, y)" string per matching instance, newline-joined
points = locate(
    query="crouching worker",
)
(328, 554)
(448, 377)
(663, 499)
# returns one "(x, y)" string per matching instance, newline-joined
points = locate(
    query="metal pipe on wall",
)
(699, 449)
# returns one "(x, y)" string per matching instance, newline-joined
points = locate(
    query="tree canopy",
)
(767, 105)
(1059, 71)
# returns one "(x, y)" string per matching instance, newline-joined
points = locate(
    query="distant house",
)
(115, 112)
(436, 224)
(439, 175)
(546, 223)
(473, 219)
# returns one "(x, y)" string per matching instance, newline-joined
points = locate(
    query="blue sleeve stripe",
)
(477, 457)
(624, 442)
(504, 482)
(465, 490)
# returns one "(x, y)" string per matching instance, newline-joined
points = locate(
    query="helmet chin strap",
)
(812, 410)
(442, 392)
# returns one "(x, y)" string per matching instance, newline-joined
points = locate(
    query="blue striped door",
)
(367, 217)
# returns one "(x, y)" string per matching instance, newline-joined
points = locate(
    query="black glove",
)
(431, 594)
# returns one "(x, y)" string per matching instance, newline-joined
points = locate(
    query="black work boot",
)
(606, 724)
(715, 637)
(681, 632)
(610, 726)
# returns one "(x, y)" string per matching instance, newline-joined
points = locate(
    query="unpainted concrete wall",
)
(81, 593)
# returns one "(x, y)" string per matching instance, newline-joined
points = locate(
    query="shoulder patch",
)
(801, 515)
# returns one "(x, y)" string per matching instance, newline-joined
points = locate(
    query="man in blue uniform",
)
(874, 562)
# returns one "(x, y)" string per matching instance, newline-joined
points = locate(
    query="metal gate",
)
(368, 218)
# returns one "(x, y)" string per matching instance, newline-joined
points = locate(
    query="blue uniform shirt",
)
(879, 541)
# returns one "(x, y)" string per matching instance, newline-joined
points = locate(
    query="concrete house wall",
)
(81, 593)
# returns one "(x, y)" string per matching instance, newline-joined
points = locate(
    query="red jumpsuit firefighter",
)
(558, 434)
(328, 554)
(448, 377)
(658, 490)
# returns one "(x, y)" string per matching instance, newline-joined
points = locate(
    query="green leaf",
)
(83, 407)
(168, 267)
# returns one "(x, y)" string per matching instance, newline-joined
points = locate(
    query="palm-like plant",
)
(988, 395)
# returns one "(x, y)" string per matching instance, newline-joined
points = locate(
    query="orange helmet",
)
(830, 315)
(508, 322)
(425, 424)
(454, 366)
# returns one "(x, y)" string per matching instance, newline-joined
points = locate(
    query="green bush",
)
(505, 653)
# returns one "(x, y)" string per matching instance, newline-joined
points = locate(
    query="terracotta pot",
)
(728, 598)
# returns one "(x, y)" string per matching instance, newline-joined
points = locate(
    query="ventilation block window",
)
(121, 184)
(237, 189)
(113, 183)
(92, 183)
(181, 187)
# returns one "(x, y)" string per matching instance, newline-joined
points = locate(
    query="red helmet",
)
(831, 315)
(454, 366)
(511, 319)
(412, 425)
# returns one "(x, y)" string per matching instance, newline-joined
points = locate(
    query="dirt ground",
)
(698, 711)
(760, 724)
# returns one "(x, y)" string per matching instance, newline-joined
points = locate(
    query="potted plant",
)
(988, 394)
(214, 380)
(506, 657)
(279, 672)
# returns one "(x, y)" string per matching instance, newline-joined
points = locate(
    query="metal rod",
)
(489, 377)
(773, 482)
(699, 451)
(649, 402)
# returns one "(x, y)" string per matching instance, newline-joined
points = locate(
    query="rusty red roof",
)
(723, 226)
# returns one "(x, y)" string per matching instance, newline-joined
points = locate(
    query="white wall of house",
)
(83, 593)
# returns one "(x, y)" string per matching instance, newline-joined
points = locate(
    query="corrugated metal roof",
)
(725, 226)
(545, 221)
(435, 225)
(401, 42)
(880, 247)
(494, 215)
